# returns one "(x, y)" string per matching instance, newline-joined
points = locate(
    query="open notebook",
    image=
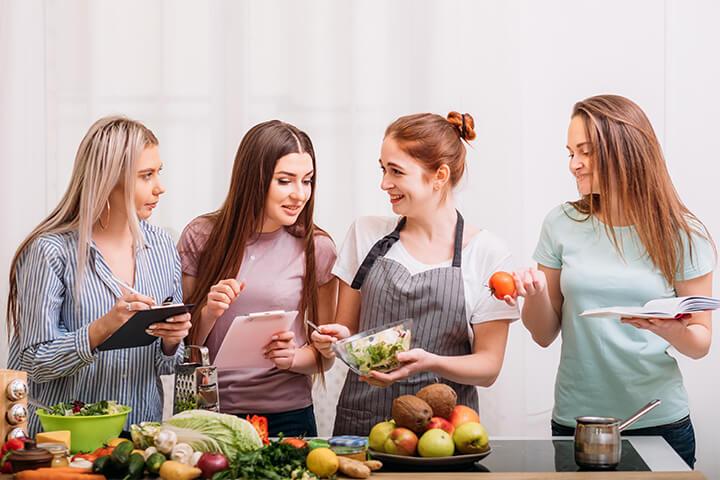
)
(673, 307)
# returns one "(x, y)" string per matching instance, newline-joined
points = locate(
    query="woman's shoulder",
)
(53, 244)
(374, 226)
(154, 234)
(196, 233)
(488, 246)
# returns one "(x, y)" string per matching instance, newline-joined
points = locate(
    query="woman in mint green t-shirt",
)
(628, 240)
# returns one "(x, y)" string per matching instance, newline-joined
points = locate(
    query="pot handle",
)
(638, 414)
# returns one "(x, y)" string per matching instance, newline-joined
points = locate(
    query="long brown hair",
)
(106, 156)
(241, 216)
(628, 162)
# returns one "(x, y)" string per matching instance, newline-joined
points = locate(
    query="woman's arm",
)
(347, 319)
(541, 313)
(690, 335)
(304, 358)
(480, 368)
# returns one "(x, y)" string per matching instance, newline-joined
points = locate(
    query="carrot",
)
(55, 470)
(43, 474)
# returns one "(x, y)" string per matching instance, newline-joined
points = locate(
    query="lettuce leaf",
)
(214, 432)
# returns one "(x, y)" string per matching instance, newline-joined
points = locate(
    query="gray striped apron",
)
(434, 299)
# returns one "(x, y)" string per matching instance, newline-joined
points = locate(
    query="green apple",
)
(470, 437)
(436, 443)
(379, 434)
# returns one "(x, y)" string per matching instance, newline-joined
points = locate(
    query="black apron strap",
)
(380, 248)
(457, 250)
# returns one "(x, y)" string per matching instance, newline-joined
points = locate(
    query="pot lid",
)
(30, 454)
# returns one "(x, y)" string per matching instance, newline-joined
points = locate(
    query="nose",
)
(159, 188)
(385, 184)
(576, 163)
(299, 191)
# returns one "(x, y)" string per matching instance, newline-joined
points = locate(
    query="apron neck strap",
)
(457, 249)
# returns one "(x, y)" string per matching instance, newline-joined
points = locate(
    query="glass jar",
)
(59, 452)
(356, 453)
(349, 446)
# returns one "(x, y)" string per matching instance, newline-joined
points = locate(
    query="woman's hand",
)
(331, 333)
(415, 361)
(172, 331)
(124, 308)
(664, 327)
(221, 295)
(528, 282)
(281, 350)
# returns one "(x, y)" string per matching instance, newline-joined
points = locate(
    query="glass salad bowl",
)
(375, 349)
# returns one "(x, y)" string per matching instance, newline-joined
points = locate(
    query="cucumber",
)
(101, 464)
(120, 456)
(154, 462)
(136, 466)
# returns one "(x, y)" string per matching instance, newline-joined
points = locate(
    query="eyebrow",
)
(291, 174)
(149, 170)
(579, 145)
(391, 164)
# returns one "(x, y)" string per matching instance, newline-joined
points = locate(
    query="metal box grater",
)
(196, 385)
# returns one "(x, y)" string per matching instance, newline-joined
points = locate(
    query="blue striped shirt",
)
(54, 347)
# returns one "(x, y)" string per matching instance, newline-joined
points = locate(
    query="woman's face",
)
(405, 180)
(290, 190)
(148, 186)
(580, 151)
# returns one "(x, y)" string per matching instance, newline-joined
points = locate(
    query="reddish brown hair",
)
(628, 162)
(433, 140)
(243, 211)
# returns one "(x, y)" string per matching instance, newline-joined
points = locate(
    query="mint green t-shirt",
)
(608, 368)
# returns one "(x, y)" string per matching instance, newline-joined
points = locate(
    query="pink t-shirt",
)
(274, 282)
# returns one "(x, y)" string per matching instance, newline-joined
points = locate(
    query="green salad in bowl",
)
(103, 407)
(375, 349)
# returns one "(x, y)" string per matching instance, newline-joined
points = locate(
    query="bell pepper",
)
(261, 425)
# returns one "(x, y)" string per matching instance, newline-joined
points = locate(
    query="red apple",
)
(441, 423)
(462, 414)
(402, 441)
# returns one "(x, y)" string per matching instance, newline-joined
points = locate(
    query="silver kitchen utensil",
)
(597, 439)
(196, 384)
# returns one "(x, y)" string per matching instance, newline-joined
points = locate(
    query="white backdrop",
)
(201, 73)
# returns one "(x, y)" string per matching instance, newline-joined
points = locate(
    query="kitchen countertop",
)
(654, 452)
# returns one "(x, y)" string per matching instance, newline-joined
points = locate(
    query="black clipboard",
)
(132, 333)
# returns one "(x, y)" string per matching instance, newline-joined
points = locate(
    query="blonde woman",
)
(68, 279)
(629, 239)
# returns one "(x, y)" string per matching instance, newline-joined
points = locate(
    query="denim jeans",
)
(680, 435)
(293, 423)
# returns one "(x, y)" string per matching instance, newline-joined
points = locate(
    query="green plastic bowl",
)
(87, 433)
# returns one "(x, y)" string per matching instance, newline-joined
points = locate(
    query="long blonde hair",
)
(628, 162)
(107, 156)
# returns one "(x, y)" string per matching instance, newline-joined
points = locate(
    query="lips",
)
(151, 205)
(292, 209)
(396, 198)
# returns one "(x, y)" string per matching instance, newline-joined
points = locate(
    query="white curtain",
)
(201, 73)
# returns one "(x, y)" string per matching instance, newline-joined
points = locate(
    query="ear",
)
(441, 177)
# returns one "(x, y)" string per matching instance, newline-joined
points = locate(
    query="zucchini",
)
(154, 462)
(120, 455)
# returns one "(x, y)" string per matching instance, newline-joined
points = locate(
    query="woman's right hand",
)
(331, 333)
(221, 295)
(124, 308)
(528, 282)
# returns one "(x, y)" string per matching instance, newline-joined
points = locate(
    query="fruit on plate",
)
(441, 423)
(402, 441)
(411, 412)
(441, 398)
(379, 434)
(462, 414)
(322, 462)
(436, 443)
(470, 437)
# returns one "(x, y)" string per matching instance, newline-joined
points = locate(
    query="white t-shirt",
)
(484, 255)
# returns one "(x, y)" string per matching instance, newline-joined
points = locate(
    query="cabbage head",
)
(207, 431)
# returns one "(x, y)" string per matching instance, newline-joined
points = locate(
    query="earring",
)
(107, 204)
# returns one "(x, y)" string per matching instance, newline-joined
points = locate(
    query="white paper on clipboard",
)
(246, 337)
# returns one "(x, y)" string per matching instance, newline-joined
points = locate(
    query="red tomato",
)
(102, 451)
(13, 444)
(90, 457)
(501, 284)
(296, 442)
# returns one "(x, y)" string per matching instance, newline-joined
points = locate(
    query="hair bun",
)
(464, 123)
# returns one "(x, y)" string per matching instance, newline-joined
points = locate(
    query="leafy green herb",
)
(276, 461)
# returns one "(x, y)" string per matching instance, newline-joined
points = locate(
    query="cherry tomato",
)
(102, 451)
(296, 442)
(90, 457)
(501, 284)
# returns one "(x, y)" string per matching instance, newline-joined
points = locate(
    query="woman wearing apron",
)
(427, 265)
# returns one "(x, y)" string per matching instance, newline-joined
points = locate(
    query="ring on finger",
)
(128, 307)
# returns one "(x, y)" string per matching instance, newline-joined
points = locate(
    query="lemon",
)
(322, 462)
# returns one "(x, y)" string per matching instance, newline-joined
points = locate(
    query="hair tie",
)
(462, 132)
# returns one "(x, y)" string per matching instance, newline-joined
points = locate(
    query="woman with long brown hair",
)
(69, 280)
(427, 264)
(264, 231)
(629, 239)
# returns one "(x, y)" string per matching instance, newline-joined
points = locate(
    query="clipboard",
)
(132, 333)
(243, 344)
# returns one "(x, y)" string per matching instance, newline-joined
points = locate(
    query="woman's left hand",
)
(172, 331)
(659, 326)
(415, 361)
(281, 350)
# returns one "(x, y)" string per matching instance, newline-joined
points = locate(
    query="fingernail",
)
(149, 332)
(152, 327)
(274, 337)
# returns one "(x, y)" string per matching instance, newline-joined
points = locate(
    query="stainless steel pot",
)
(597, 439)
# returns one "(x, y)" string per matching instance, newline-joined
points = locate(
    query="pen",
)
(317, 329)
